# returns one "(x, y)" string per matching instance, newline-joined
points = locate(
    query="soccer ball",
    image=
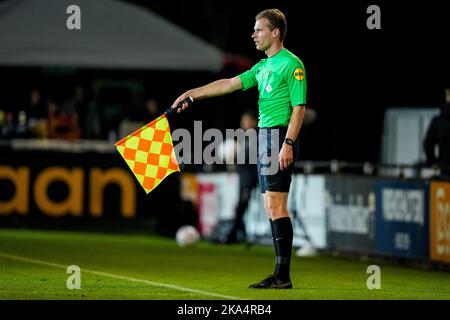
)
(187, 236)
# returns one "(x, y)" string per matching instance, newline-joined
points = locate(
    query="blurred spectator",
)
(36, 109)
(310, 116)
(248, 180)
(6, 125)
(151, 110)
(63, 121)
(113, 103)
(21, 129)
(439, 134)
(78, 105)
(137, 120)
(36, 114)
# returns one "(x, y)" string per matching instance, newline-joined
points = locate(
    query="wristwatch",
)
(289, 142)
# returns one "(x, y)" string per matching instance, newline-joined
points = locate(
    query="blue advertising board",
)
(402, 218)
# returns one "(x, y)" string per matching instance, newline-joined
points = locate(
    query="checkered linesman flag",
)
(149, 153)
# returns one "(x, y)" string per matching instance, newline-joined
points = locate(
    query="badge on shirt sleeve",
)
(299, 74)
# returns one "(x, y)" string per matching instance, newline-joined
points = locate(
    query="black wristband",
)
(289, 141)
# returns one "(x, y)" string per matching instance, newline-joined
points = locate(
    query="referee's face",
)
(262, 36)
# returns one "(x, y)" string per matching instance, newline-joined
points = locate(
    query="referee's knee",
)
(276, 205)
(277, 211)
(278, 214)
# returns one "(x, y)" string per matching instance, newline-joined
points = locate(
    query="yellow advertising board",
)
(440, 221)
(28, 187)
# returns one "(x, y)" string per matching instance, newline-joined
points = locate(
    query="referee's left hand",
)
(286, 157)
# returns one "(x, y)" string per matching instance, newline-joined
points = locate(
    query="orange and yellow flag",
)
(149, 153)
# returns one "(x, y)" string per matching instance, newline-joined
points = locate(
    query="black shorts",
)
(271, 178)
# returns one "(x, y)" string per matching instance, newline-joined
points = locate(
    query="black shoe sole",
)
(281, 286)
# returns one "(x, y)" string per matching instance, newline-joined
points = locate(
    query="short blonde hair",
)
(276, 20)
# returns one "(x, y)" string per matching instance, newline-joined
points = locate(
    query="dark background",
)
(354, 73)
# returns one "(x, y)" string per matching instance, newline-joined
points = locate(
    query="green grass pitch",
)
(33, 266)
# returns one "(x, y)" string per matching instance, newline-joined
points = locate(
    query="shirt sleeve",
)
(248, 78)
(296, 79)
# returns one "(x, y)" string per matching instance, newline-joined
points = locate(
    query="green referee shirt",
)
(281, 81)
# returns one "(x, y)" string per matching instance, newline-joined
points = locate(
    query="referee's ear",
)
(277, 32)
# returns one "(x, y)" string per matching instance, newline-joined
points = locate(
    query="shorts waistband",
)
(275, 127)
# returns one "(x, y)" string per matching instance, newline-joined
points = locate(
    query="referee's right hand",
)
(180, 99)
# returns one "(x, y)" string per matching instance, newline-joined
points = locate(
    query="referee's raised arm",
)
(213, 89)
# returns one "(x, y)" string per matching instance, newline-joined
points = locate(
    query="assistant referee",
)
(281, 81)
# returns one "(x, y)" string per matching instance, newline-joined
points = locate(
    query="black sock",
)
(272, 227)
(283, 243)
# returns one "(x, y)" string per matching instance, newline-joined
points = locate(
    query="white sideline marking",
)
(105, 274)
